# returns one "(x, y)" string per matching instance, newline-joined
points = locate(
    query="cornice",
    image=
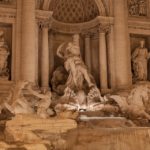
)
(7, 15)
(43, 15)
(139, 24)
(80, 27)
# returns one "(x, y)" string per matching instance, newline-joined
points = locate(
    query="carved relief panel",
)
(5, 52)
(137, 7)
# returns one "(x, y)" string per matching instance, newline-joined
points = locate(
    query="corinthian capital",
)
(104, 28)
(44, 23)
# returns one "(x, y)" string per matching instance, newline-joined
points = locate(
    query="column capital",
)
(103, 28)
(87, 34)
(44, 23)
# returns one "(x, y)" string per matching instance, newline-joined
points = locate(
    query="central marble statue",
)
(80, 85)
(74, 64)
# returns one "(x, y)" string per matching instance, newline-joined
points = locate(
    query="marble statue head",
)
(142, 43)
(76, 38)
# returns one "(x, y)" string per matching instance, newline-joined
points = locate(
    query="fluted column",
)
(103, 60)
(88, 51)
(45, 58)
(111, 57)
(122, 50)
(28, 52)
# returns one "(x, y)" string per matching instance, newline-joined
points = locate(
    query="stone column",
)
(122, 50)
(148, 44)
(37, 53)
(88, 51)
(111, 57)
(46, 4)
(103, 60)
(18, 35)
(28, 52)
(51, 54)
(45, 58)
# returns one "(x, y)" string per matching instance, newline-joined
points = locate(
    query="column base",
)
(106, 91)
(44, 89)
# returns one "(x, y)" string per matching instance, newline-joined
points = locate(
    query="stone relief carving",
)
(137, 102)
(4, 53)
(43, 104)
(140, 57)
(137, 7)
(18, 103)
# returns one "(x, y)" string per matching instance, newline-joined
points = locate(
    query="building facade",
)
(109, 32)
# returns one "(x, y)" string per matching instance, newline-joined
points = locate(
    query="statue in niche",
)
(80, 92)
(137, 7)
(142, 8)
(4, 53)
(140, 58)
(74, 65)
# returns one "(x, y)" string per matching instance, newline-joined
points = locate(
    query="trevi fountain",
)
(74, 74)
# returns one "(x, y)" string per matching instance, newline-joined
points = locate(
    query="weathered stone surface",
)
(22, 128)
(35, 147)
(5, 146)
(109, 139)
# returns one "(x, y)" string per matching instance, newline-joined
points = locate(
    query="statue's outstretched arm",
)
(134, 54)
(59, 49)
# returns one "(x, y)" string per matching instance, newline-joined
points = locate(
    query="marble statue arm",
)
(134, 54)
(59, 50)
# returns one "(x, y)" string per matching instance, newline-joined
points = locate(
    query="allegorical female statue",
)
(74, 64)
(140, 58)
(142, 8)
(4, 53)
